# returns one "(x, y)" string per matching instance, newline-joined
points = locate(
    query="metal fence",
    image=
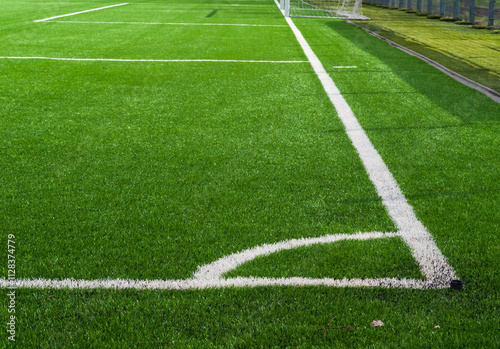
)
(480, 11)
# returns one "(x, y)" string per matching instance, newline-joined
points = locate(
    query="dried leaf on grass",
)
(376, 323)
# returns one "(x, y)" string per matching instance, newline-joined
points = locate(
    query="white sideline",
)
(154, 60)
(187, 24)
(432, 262)
(77, 13)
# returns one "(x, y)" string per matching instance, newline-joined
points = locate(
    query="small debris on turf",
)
(437, 326)
(331, 328)
(376, 323)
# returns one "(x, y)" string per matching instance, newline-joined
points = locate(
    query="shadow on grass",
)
(448, 34)
(461, 101)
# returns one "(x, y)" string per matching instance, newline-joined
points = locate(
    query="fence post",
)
(455, 9)
(472, 12)
(491, 11)
(419, 5)
(441, 7)
(429, 6)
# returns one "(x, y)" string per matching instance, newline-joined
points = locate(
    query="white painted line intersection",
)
(433, 264)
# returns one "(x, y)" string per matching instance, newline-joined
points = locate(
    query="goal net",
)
(347, 9)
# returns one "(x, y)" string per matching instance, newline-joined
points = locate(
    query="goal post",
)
(346, 9)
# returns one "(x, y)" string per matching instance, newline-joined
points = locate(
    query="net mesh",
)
(348, 9)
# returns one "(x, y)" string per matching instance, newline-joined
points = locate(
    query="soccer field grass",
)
(144, 142)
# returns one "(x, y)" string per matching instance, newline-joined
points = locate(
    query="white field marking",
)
(154, 60)
(184, 4)
(344, 67)
(77, 13)
(187, 24)
(193, 284)
(219, 5)
(211, 275)
(433, 264)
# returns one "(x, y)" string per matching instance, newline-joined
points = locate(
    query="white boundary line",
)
(186, 24)
(154, 60)
(77, 13)
(194, 284)
(212, 275)
(433, 265)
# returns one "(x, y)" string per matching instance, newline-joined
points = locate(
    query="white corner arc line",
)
(155, 60)
(77, 13)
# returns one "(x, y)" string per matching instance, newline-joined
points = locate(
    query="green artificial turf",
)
(147, 170)
(260, 317)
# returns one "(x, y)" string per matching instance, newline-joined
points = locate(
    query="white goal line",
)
(212, 275)
(76, 13)
(192, 284)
